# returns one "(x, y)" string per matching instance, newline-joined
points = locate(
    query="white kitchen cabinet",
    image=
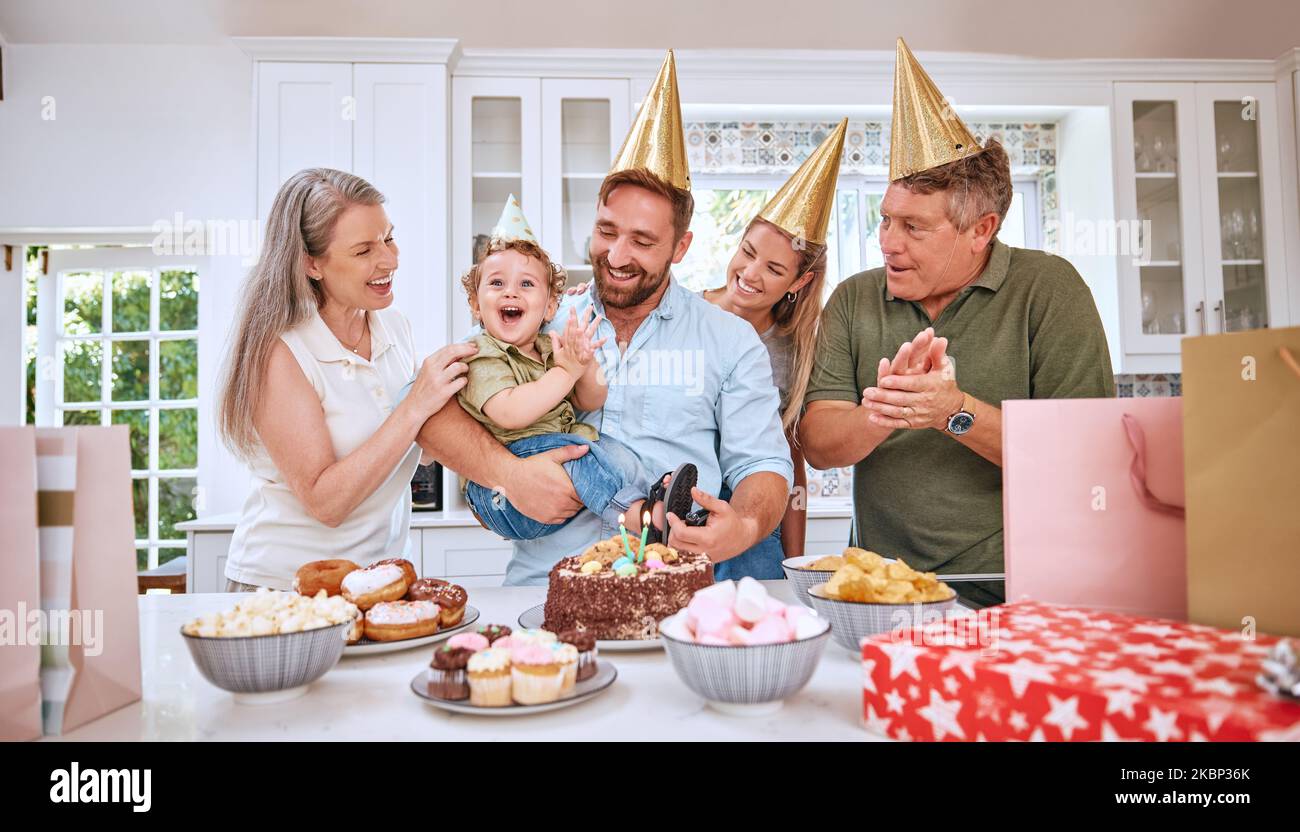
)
(1197, 169)
(583, 126)
(385, 122)
(303, 121)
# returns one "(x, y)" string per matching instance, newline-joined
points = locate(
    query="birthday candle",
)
(627, 546)
(645, 530)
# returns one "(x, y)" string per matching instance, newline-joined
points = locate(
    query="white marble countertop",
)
(369, 698)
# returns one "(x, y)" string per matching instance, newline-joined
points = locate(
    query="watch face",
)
(960, 422)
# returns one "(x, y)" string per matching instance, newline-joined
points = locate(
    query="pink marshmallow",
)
(739, 636)
(771, 630)
(716, 641)
(724, 593)
(751, 600)
(715, 622)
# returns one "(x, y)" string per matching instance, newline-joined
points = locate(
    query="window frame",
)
(51, 349)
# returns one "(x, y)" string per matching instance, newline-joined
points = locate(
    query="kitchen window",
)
(112, 338)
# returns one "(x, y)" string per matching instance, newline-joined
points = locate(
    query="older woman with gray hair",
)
(311, 391)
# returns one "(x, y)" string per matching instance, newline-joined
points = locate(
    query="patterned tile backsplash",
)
(836, 484)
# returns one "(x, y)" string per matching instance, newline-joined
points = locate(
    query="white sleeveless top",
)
(276, 535)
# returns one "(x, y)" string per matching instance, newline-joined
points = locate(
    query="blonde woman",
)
(776, 286)
(310, 396)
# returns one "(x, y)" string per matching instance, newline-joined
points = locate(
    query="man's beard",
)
(622, 297)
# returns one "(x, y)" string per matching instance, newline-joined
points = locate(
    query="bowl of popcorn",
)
(806, 571)
(870, 594)
(742, 650)
(272, 645)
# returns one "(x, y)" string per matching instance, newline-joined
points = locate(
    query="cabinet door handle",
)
(1200, 310)
(1223, 323)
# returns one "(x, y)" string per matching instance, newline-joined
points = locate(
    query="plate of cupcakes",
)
(495, 671)
(395, 609)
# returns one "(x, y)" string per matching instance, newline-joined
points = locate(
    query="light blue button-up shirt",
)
(695, 385)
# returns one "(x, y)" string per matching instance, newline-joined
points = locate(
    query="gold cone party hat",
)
(926, 133)
(655, 142)
(802, 207)
(513, 225)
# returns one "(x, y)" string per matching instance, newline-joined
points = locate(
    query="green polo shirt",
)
(1027, 328)
(498, 366)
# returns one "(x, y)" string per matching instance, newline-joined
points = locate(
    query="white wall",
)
(139, 134)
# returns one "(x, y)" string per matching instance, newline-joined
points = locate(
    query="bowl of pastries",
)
(271, 645)
(869, 594)
(742, 650)
(392, 603)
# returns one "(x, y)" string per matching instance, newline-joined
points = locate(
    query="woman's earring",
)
(790, 297)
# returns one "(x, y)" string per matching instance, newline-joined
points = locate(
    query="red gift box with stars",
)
(1049, 672)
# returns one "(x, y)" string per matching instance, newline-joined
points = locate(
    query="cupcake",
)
(492, 632)
(489, 678)
(567, 656)
(535, 674)
(473, 642)
(447, 677)
(538, 637)
(585, 643)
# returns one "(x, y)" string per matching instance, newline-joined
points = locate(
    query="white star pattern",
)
(1023, 672)
(1162, 725)
(868, 667)
(1076, 614)
(875, 723)
(894, 702)
(913, 692)
(1186, 643)
(1109, 734)
(951, 685)
(1016, 647)
(1121, 701)
(902, 659)
(1017, 721)
(1063, 714)
(988, 705)
(1121, 678)
(1216, 711)
(1063, 657)
(1219, 685)
(1149, 650)
(1066, 644)
(1031, 621)
(963, 660)
(903, 735)
(1038, 736)
(942, 715)
(1157, 630)
(1169, 667)
(1223, 658)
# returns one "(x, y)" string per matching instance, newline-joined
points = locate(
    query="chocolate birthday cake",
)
(612, 597)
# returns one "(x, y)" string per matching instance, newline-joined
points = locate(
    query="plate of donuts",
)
(395, 609)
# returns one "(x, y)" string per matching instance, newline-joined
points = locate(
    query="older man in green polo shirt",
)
(978, 323)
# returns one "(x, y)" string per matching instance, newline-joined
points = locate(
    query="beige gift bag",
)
(1241, 446)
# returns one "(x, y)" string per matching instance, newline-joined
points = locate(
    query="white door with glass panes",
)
(584, 122)
(117, 343)
(496, 151)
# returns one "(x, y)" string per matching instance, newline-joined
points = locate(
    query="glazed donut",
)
(424, 589)
(451, 599)
(408, 568)
(374, 585)
(397, 620)
(322, 574)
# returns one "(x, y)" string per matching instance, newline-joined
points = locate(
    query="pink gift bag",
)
(20, 588)
(1092, 504)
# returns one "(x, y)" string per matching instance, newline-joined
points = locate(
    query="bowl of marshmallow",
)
(742, 650)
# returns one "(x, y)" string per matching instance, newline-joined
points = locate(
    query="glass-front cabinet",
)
(1199, 240)
(548, 141)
